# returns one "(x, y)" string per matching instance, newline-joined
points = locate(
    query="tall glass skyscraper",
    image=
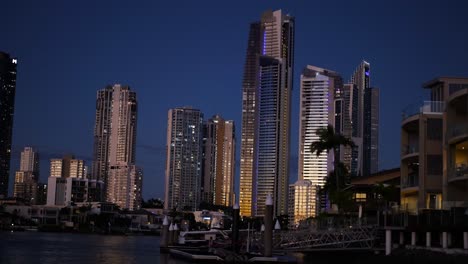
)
(183, 161)
(371, 131)
(266, 97)
(365, 127)
(7, 107)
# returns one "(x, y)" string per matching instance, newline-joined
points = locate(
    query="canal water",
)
(41, 247)
(66, 248)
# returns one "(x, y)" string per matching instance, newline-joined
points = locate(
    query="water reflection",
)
(37, 247)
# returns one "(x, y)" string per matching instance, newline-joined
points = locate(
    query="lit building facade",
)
(115, 145)
(300, 207)
(266, 105)
(116, 107)
(67, 183)
(124, 186)
(29, 160)
(184, 158)
(67, 167)
(25, 185)
(247, 148)
(7, 107)
(218, 161)
(317, 110)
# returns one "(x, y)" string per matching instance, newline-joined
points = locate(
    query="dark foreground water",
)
(65, 248)
(39, 247)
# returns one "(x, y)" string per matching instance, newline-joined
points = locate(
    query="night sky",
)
(179, 53)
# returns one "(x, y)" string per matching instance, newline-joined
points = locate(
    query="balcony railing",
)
(458, 171)
(428, 107)
(409, 149)
(457, 130)
(411, 181)
(455, 87)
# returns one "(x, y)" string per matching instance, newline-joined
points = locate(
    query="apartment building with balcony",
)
(434, 141)
(455, 163)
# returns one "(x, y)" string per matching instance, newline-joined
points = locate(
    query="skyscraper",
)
(116, 107)
(317, 104)
(371, 131)
(218, 161)
(365, 127)
(183, 161)
(114, 144)
(7, 107)
(29, 160)
(247, 148)
(26, 178)
(345, 113)
(266, 97)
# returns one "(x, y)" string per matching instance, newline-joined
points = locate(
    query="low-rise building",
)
(63, 191)
(434, 140)
(377, 191)
(40, 214)
(301, 202)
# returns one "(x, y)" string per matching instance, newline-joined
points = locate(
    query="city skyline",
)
(55, 138)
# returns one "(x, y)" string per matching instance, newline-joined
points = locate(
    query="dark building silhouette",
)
(7, 104)
(371, 131)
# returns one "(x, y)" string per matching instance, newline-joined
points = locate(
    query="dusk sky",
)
(180, 53)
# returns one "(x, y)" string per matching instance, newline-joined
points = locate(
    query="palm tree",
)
(329, 140)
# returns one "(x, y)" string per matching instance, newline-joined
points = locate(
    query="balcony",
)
(457, 133)
(408, 151)
(410, 183)
(428, 107)
(457, 91)
(458, 173)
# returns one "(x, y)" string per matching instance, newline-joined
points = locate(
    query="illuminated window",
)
(360, 197)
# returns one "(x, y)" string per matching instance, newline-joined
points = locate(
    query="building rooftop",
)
(378, 177)
(441, 79)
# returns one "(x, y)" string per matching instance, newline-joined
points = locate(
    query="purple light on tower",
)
(367, 73)
(264, 43)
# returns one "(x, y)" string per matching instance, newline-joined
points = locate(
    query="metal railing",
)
(458, 171)
(457, 130)
(409, 149)
(427, 107)
(411, 181)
